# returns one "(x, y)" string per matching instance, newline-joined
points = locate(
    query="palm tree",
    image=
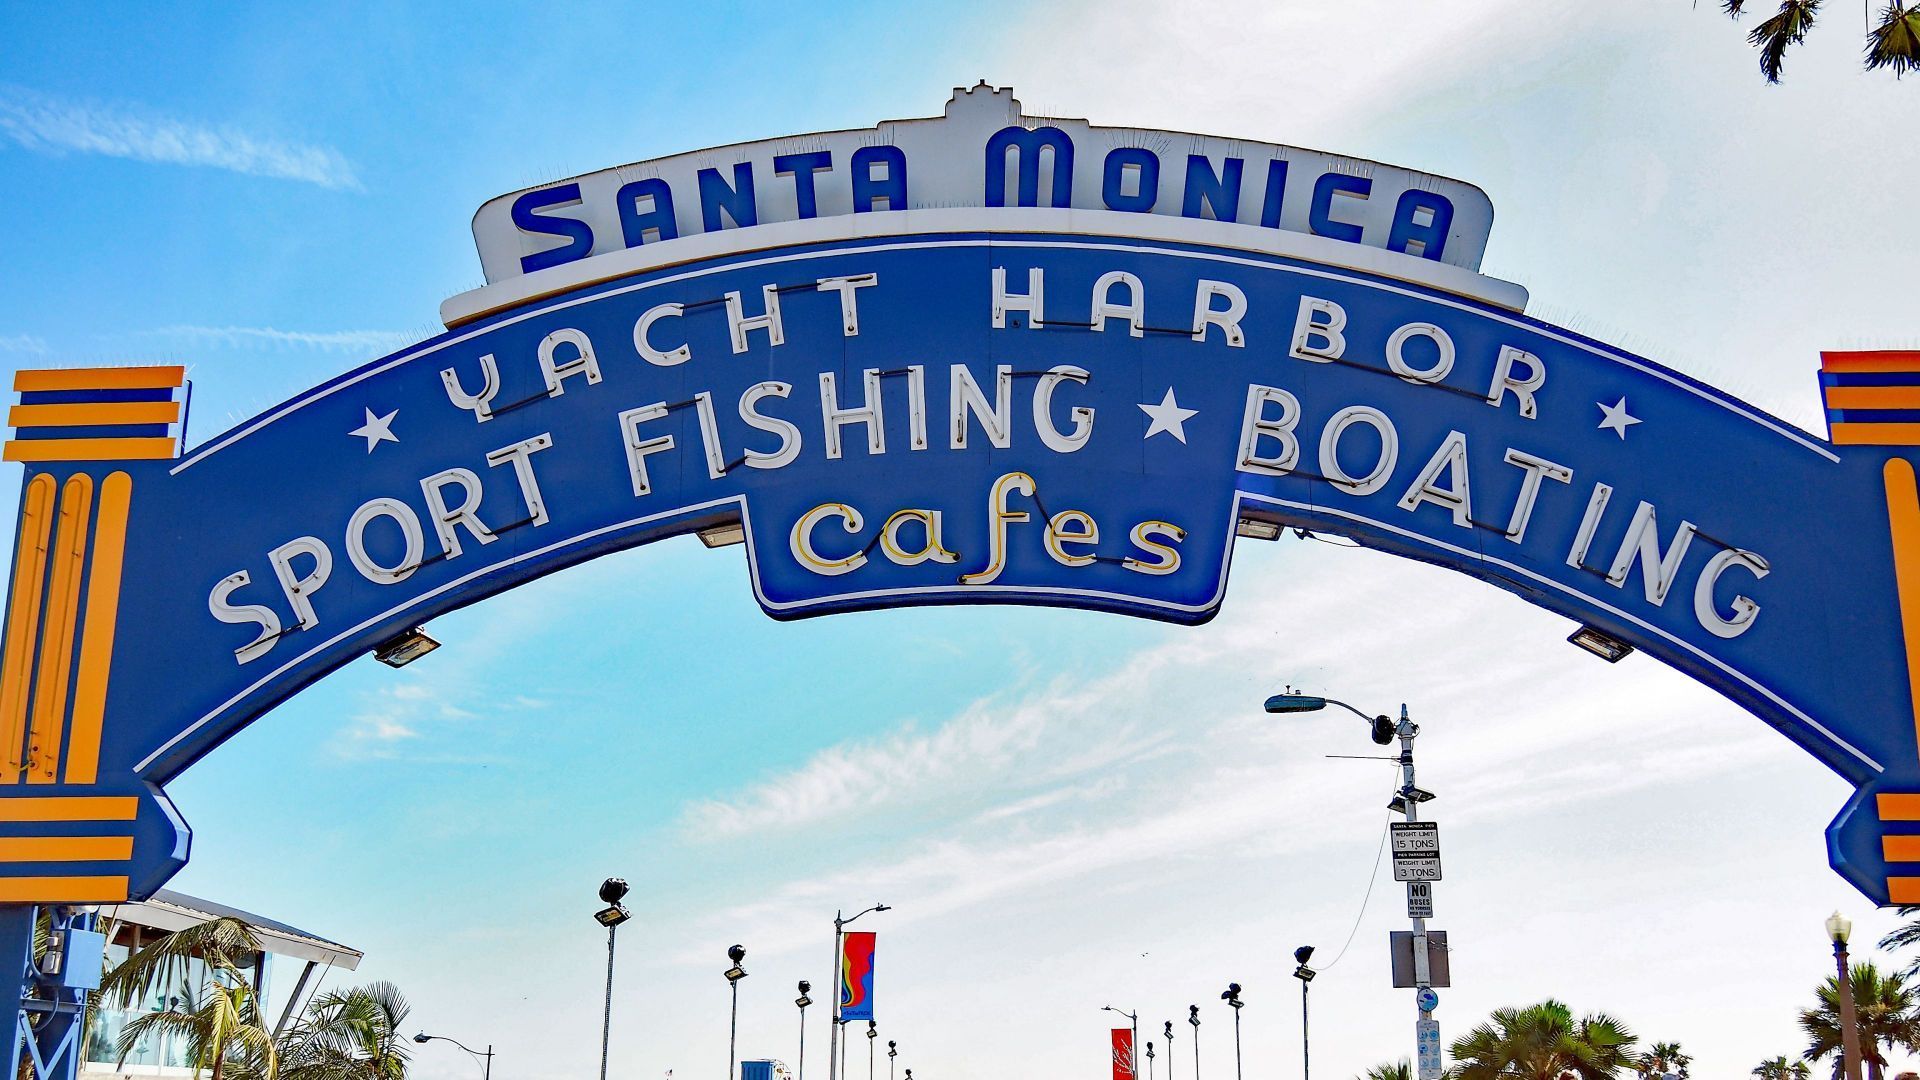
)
(218, 1021)
(1544, 1042)
(349, 1035)
(1398, 1070)
(1885, 1016)
(1779, 1068)
(1665, 1058)
(222, 1032)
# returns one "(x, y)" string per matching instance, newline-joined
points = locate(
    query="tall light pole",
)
(1406, 802)
(1232, 997)
(840, 989)
(611, 916)
(1305, 974)
(733, 975)
(1149, 1059)
(1133, 1051)
(803, 1001)
(1839, 928)
(1168, 1032)
(873, 1032)
(486, 1071)
(1193, 1017)
(893, 1051)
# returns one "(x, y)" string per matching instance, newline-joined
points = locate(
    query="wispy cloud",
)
(23, 343)
(352, 341)
(51, 125)
(1074, 780)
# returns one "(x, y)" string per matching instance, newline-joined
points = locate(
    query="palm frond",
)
(1784, 30)
(221, 944)
(1895, 44)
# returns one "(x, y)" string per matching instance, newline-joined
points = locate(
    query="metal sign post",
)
(1416, 861)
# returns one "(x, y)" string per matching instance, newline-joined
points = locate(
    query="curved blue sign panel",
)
(955, 417)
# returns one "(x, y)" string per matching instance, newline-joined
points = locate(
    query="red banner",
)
(1123, 1061)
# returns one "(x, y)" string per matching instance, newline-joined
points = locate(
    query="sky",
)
(1066, 810)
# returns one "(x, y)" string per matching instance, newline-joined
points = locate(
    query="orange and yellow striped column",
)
(56, 657)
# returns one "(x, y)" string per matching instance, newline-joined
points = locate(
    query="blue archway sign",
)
(1078, 388)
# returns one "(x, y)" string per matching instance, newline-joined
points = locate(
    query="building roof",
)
(169, 910)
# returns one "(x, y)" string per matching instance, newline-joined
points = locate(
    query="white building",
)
(130, 926)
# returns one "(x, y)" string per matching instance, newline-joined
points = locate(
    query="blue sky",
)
(1067, 810)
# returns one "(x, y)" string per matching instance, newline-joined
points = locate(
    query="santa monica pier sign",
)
(978, 358)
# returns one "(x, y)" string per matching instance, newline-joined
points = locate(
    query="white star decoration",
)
(1617, 418)
(1169, 417)
(377, 429)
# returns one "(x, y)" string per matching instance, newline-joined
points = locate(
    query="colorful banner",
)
(856, 977)
(1123, 1060)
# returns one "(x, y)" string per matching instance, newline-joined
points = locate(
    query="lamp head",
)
(612, 890)
(806, 987)
(873, 1030)
(1384, 729)
(422, 1037)
(736, 953)
(1839, 928)
(1193, 1015)
(1232, 992)
(1292, 703)
(881, 907)
(1169, 1031)
(1303, 954)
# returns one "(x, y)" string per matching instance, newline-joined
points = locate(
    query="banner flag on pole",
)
(856, 977)
(1123, 1062)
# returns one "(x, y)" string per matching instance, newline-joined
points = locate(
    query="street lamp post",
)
(1149, 1059)
(1168, 1032)
(486, 1056)
(839, 978)
(1305, 974)
(803, 1001)
(1193, 1017)
(733, 975)
(873, 1032)
(1407, 802)
(1133, 1049)
(1839, 928)
(1232, 997)
(611, 916)
(893, 1051)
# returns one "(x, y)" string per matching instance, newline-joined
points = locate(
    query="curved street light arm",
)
(485, 1059)
(1349, 708)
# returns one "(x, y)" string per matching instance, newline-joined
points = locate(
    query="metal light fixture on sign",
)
(404, 649)
(1257, 530)
(1601, 644)
(723, 535)
(1398, 804)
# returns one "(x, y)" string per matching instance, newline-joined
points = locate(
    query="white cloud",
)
(353, 341)
(23, 343)
(49, 125)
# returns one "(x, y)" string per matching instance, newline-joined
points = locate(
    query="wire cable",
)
(1373, 878)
